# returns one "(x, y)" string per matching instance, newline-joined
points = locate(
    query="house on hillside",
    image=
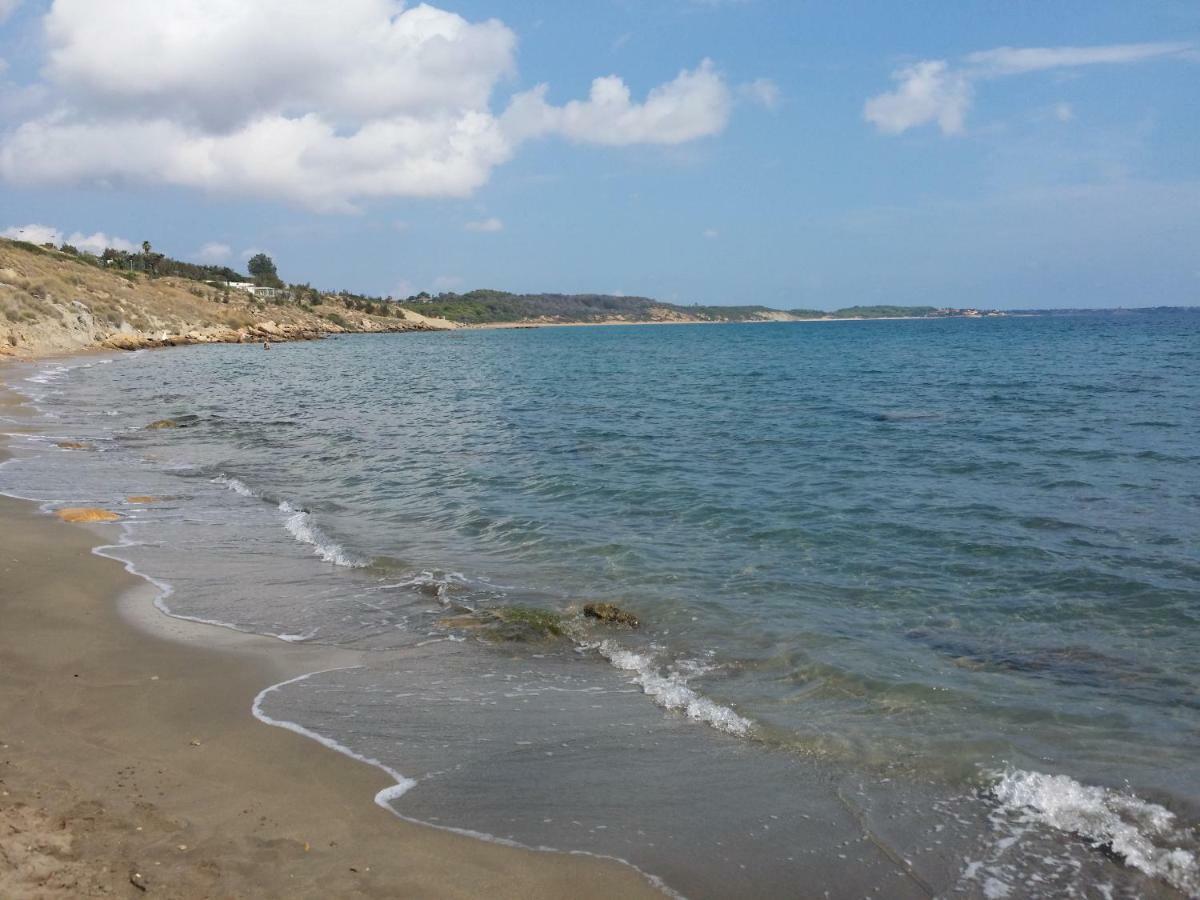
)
(259, 291)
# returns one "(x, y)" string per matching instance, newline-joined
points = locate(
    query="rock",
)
(614, 615)
(87, 514)
(73, 445)
(139, 499)
(162, 423)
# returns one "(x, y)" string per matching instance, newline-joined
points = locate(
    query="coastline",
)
(130, 761)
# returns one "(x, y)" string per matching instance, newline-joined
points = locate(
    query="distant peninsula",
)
(59, 299)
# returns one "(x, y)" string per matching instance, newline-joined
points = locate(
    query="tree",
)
(262, 270)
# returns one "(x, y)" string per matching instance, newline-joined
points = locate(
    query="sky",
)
(791, 153)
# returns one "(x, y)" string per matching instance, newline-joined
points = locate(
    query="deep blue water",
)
(927, 550)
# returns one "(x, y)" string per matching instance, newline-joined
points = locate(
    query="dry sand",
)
(130, 763)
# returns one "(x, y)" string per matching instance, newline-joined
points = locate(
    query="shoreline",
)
(131, 761)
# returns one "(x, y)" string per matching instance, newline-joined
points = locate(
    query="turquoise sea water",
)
(892, 576)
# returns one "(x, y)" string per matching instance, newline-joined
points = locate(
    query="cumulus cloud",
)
(928, 92)
(327, 105)
(214, 252)
(935, 91)
(485, 225)
(695, 104)
(33, 234)
(7, 7)
(96, 243)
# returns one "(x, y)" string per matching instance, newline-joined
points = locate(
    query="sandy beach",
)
(130, 762)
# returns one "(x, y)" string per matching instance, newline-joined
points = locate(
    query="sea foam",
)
(671, 691)
(300, 525)
(1144, 834)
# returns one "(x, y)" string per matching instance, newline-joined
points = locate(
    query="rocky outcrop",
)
(610, 614)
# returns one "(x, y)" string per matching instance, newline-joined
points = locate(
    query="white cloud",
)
(762, 91)
(99, 242)
(327, 105)
(1017, 60)
(33, 234)
(7, 7)
(47, 234)
(934, 91)
(486, 225)
(1063, 112)
(695, 105)
(711, 234)
(929, 92)
(214, 252)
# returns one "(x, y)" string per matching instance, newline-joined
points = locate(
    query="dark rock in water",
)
(509, 623)
(607, 612)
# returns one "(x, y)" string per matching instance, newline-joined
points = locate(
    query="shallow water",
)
(894, 577)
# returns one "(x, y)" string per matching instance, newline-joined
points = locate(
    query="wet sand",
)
(130, 763)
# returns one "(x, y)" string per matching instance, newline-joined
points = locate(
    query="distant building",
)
(258, 290)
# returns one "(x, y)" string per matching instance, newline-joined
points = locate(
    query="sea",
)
(919, 599)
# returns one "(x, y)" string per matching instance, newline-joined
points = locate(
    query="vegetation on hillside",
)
(493, 307)
(59, 300)
(339, 308)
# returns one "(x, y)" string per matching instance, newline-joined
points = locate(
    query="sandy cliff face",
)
(54, 303)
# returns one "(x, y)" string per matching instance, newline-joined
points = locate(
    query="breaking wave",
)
(1143, 834)
(671, 691)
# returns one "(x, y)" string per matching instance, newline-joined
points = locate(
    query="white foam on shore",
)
(403, 783)
(671, 691)
(1140, 832)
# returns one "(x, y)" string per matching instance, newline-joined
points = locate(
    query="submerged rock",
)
(162, 423)
(73, 445)
(614, 615)
(509, 623)
(87, 514)
(139, 499)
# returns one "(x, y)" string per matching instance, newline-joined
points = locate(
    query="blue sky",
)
(795, 154)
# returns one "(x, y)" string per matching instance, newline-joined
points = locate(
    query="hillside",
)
(498, 307)
(56, 302)
(492, 307)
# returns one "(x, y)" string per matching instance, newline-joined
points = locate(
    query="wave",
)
(671, 691)
(1141, 833)
(236, 485)
(300, 525)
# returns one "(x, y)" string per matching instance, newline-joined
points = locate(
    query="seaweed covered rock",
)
(613, 615)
